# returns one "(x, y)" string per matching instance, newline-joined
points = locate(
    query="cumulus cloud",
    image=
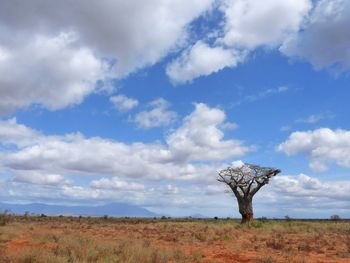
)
(52, 54)
(325, 38)
(12, 132)
(123, 103)
(49, 71)
(310, 191)
(198, 139)
(201, 60)
(322, 147)
(159, 115)
(250, 23)
(34, 177)
(115, 183)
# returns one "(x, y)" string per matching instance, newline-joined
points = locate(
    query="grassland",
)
(70, 239)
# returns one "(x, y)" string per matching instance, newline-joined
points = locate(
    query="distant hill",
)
(113, 209)
(198, 216)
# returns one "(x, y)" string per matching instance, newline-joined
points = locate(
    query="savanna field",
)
(72, 239)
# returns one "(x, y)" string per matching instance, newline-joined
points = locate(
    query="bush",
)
(335, 217)
(267, 259)
(4, 218)
(262, 219)
(288, 218)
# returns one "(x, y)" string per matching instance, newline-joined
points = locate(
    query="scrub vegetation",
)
(85, 239)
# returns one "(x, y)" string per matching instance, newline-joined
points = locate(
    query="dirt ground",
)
(68, 239)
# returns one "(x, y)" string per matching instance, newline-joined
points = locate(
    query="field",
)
(71, 239)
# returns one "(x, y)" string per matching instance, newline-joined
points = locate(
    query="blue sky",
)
(145, 104)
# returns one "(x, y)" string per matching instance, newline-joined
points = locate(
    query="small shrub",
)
(262, 219)
(275, 244)
(267, 259)
(197, 255)
(335, 217)
(200, 236)
(256, 224)
(288, 218)
(4, 218)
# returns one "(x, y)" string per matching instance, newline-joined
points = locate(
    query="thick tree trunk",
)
(246, 209)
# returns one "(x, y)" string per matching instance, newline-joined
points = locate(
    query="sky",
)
(143, 102)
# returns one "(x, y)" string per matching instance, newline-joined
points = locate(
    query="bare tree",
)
(245, 181)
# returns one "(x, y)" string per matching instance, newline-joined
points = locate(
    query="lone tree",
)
(245, 181)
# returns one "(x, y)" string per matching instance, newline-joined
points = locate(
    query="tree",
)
(245, 181)
(335, 217)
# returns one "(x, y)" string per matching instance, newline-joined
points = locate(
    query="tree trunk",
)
(246, 209)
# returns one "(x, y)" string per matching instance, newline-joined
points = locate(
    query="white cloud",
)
(285, 128)
(238, 163)
(123, 103)
(294, 195)
(261, 95)
(266, 93)
(51, 53)
(325, 39)
(250, 23)
(307, 188)
(13, 133)
(50, 71)
(229, 126)
(215, 189)
(197, 139)
(200, 138)
(201, 60)
(322, 147)
(171, 189)
(34, 177)
(116, 183)
(159, 115)
(315, 118)
(82, 193)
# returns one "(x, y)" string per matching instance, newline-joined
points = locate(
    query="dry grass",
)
(69, 239)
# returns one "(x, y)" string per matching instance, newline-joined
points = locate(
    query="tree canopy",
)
(247, 179)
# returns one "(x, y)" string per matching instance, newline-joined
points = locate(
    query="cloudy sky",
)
(143, 102)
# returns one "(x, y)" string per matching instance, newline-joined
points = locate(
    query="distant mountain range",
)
(113, 209)
(198, 216)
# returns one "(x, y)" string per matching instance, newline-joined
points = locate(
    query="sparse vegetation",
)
(90, 239)
(335, 217)
(4, 217)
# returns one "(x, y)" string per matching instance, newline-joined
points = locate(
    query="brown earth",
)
(61, 239)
